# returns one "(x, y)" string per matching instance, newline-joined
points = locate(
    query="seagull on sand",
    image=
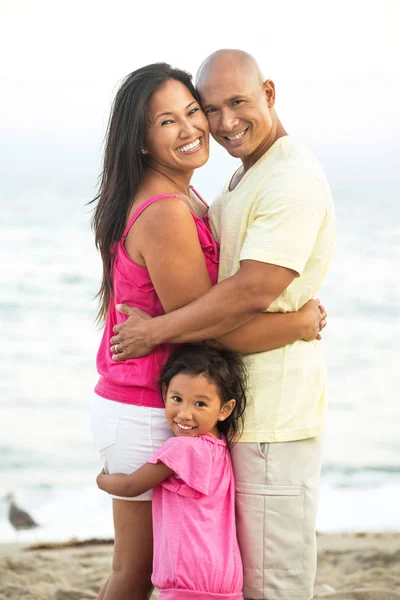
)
(19, 518)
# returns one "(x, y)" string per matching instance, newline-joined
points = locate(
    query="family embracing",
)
(210, 406)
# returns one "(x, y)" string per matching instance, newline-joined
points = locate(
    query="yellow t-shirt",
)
(281, 212)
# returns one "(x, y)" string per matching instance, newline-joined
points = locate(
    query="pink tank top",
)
(135, 381)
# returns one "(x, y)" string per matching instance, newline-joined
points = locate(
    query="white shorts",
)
(127, 435)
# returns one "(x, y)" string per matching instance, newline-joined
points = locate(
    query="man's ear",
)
(226, 409)
(269, 90)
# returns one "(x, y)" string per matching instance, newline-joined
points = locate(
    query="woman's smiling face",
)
(178, 135)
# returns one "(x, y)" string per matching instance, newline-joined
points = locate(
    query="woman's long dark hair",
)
(224, 368)
(124, 162)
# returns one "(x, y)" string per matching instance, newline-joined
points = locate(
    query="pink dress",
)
(196, 553)
(135, 381)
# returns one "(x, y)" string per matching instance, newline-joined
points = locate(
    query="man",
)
(275, 222)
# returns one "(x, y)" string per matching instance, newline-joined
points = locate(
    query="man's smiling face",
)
(238, 106)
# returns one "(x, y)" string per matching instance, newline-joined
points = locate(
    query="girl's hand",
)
(134, 484)
(100, 480)
(314, 318)
(112, 484)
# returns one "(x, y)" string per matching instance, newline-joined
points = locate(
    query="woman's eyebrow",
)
(163, 114)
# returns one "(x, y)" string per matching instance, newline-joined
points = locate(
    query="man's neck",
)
(249, 161)
(276, 133)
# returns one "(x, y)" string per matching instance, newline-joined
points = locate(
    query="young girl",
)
(196, 554)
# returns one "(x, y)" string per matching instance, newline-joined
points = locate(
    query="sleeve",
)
(191, 462)
(287, 214)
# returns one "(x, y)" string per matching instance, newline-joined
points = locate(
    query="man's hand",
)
(314, 315)
(133, 337)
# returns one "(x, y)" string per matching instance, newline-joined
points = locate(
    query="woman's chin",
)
(201, 159)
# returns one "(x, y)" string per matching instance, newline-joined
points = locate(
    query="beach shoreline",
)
(351, 566)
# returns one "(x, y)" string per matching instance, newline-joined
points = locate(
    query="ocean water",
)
(49, 275)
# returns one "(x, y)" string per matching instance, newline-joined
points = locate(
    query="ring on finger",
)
(116, 349)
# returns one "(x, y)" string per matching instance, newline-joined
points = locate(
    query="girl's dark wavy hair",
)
(124, 163)
(225, 369)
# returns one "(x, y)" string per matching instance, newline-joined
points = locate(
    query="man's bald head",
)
(239, 104)
(235, 60)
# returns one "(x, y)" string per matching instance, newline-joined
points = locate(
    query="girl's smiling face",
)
(193, 406)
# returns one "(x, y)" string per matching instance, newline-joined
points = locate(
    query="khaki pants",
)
(277, 492)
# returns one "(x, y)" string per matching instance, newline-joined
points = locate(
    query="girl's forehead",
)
(189, 383)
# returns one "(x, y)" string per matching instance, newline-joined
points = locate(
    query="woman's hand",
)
(314, 319)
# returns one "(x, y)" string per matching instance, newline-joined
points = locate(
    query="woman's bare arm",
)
(167, 237)
(275, 330)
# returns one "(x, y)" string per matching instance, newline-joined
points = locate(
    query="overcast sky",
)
(335, 65)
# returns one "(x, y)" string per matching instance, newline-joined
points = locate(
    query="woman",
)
(158, 254)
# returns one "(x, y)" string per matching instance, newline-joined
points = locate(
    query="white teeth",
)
(189, 147)
(236, 137)
(183, 426)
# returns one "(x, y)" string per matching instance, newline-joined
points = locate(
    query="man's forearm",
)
(224, 308)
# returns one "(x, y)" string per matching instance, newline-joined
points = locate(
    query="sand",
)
(351, 567)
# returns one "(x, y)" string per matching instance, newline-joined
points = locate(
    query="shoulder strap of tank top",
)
(199, 197)
(143, 207)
